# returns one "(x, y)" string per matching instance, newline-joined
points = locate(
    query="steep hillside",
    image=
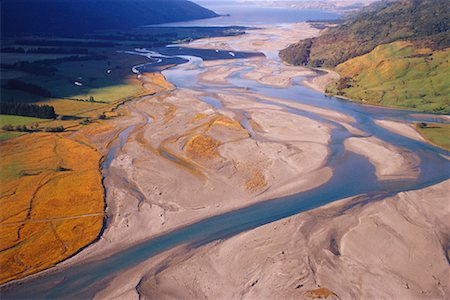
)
(19, 17)
(425, 21)
(392, 53)
(398, 74)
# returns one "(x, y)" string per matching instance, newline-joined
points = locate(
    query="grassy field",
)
(74, 108)
(107, 88)
(51, 199)
(106, 80)
(9, 135)
(398, 75)
(19, 120)
(437, 134)
(51, 192)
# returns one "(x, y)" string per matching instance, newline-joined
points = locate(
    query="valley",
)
(195, 138)
(228, 162)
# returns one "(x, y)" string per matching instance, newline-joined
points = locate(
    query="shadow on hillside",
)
(101, 80)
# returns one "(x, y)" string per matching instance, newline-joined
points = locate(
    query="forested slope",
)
(20, 17)
(391, 53)
(424, 21)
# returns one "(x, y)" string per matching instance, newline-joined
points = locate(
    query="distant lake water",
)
(239, 14)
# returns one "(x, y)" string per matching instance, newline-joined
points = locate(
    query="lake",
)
(242, 14)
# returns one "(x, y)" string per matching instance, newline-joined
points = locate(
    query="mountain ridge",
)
(424, 21)
(391, 53)
(66, 17)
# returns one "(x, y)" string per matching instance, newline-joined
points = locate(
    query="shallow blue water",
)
(240, 14)
(117, 145)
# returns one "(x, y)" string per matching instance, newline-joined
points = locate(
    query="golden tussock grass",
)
(256, 182)
(199, 117)
(99, 128)
(51, 202)
(155, 83)
(227, 122)
(202, 146)
(74, 108)
(254, 179)
(51, 195)
(319, 293)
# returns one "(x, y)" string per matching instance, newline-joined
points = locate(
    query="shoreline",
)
(320, 87)
(321, 241)
(417, 135)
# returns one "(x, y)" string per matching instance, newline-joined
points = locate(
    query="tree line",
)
(28, 110)
(45, 50)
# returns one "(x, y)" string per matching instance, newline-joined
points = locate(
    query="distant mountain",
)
(332, 5)
(425, 21)
(68, 17)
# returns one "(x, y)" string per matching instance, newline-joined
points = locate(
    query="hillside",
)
(66, 17)
(398, 74)
(390, 53)
(425, 21)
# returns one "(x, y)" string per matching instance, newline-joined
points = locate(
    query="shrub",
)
(54, 129)
(21, 128)
(28, 110)
(344, 83)
(8, 127)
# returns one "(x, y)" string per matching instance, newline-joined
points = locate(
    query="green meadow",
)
(398, 75)
(438, 134)
(18, 120)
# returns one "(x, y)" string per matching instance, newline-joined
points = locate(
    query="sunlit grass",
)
(399, 75)
(438, 134)
(18, 120)
(9, 135)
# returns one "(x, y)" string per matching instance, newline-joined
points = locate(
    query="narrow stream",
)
(117, 144)
(353, 175)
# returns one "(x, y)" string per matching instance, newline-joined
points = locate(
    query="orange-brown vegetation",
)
(155, 83)
(202, 146)
(227, 122)
(255, 178)
(74, 108)
(319, 293)
(198, 117)
(51, 194)
(51, 202)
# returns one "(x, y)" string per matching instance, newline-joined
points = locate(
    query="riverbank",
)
(348, 249)
(52, 190)
(436, 135)
(267, 126)
(40, 168)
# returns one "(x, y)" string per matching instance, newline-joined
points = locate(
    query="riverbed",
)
(250, 96)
